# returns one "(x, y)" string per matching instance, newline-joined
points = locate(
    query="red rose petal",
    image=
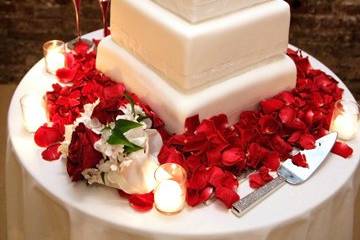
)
(233, 156)
(307, 141)
(256, 181)
(215, 175)
(69, 60)
(170, 155)
(287, 97)
(272, 161)
(227, 196)
(342, 149)
(199, 179)
(142, 202)
(81, 47)
(66, 75)
(220, 121)
(271, 105)
(260, 178)
(256, 154)
(287, 115)
(300, 160)
(123, 194)
(213, 157)
(196, 197)
(297, 124)
(191, 123)
(280, 145)
(51, 153)
(47, 135)
(114, 91)
(268, 125)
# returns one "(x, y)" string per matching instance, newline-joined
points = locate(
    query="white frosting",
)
(174, 106)
(190, 55)
(199, 10)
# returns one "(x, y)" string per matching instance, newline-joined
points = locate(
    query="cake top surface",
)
(199, 10)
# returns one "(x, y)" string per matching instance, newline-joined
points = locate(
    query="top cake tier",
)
(193, 55)
(199, 10)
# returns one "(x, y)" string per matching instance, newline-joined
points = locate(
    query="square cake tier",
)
(200, 10)
(190, 55)
(232, 96)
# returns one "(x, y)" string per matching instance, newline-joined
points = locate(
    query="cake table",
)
(43, 203)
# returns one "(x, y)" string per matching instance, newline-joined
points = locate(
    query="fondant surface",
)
(199, 10)
(174, 106)
(190, 55)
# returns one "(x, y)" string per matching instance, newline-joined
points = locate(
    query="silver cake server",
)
(289, 173)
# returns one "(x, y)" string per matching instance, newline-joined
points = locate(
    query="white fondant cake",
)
(190, 55)
(174, 106)
(199, 10)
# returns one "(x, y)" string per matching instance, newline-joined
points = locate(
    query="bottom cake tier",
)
(230, 96)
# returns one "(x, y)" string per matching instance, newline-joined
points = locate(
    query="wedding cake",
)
(206, 57)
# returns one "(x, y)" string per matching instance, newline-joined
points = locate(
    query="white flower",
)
(92, 175)
(113, 152)
(133, 173)
(85, 117)
(129, 115)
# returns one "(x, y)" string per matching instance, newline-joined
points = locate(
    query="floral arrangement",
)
(110, 137)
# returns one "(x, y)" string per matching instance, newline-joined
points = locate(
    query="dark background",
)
(327, 29)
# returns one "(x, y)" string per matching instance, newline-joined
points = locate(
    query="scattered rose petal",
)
(260, 178)
(227, 196)
(142, 202)
(66, 75)
(191, 123)
(342, 149)
(300, 160)
(272, 161)
(51, 153)
(268, 125)
(271, 105)
(233, 156)
(48, 135)
(287, 115)
(307, 141)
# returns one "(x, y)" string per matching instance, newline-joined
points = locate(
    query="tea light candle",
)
(170, 193)
(54, 54)
(345, 120)
(33, 112)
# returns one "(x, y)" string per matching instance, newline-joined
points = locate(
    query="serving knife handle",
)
(251, 200)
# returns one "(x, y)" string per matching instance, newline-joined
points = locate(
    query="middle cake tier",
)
(232, 96)
(190, 55)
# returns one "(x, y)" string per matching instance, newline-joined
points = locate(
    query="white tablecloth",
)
(42, 203)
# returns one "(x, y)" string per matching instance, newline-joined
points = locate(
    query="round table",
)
(42, 202)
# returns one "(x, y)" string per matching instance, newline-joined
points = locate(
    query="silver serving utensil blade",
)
(290, 173)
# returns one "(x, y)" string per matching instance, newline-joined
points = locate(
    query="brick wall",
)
(328, 29)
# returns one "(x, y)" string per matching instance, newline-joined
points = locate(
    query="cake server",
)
(288, 173)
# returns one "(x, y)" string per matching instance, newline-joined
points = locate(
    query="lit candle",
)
(345, 120)
(33, 112)
(54, 53)
(170, 193)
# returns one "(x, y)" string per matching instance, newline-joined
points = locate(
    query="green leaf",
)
(129, 150)
(123, 125)
(132, 103)
(118, 138)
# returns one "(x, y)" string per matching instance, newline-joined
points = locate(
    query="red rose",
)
(107, 110)
(82, 154)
